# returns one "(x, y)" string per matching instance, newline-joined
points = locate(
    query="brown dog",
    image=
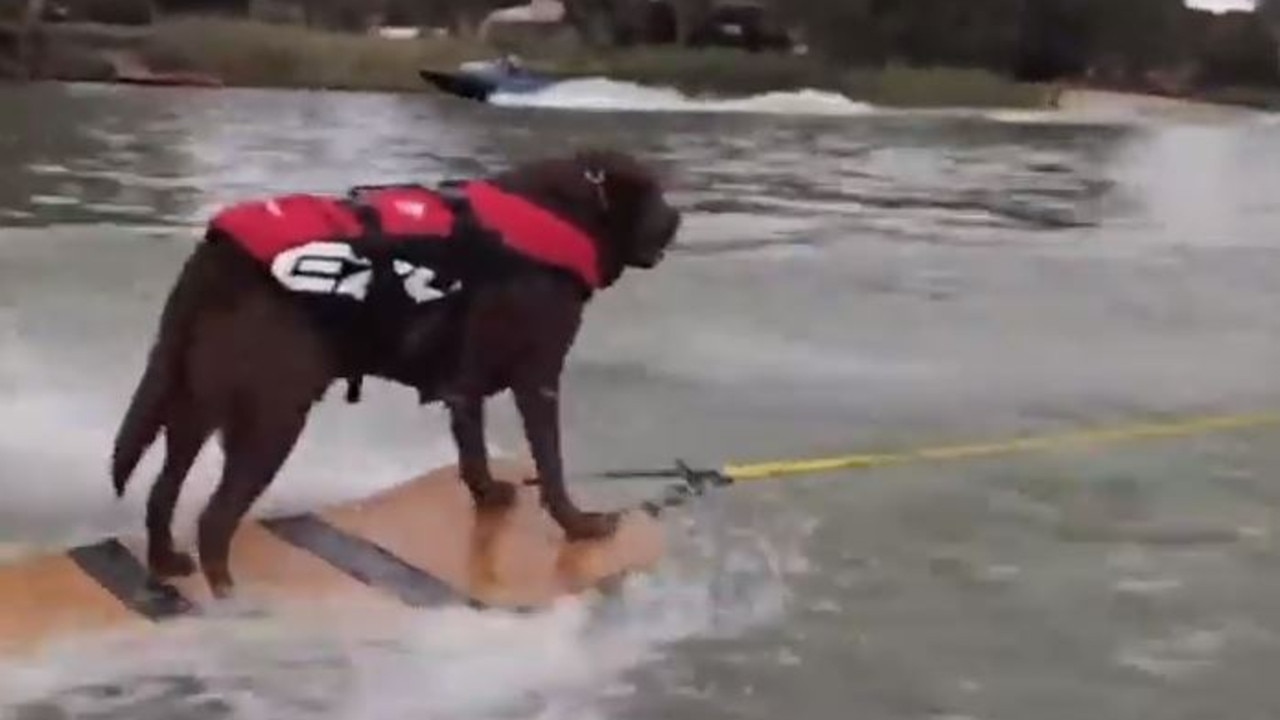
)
(240, 354)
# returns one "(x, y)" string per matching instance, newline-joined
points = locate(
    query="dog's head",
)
(610, 194)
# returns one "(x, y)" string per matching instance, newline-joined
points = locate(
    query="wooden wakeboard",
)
(420, 544)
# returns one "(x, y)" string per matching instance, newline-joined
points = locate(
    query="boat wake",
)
(611, 95)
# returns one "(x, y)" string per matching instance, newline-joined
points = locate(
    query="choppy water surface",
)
(849, 280)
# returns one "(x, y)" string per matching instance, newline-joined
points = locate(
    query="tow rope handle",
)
(693, 483)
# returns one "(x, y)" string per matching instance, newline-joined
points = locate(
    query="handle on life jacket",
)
(372, 225)
(357, 190)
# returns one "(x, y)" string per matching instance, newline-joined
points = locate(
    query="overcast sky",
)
(1221, 4)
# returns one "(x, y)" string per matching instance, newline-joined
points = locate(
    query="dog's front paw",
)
(223, 591)
(494, 495)
(579, 525)
(170, 564)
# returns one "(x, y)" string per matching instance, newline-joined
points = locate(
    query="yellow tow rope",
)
(1126, 433)
(695, 482)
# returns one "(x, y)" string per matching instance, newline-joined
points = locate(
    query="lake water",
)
(849, 280)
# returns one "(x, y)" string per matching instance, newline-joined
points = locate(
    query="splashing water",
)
(602, 94)
(570, 660)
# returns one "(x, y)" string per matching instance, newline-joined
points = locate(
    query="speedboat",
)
(479, 80)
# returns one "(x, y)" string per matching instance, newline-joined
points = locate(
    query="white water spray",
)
(612, 95)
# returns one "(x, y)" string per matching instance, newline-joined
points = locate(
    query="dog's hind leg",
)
(185, 434)
(466, 421)
(256, 446)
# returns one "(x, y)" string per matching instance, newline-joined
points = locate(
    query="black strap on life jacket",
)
(453, 194)
(371, 225)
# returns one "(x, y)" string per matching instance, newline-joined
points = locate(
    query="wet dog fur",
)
(236, 355)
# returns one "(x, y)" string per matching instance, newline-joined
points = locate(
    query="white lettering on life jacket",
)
(323, 268)
(333, 268)
(417, 281)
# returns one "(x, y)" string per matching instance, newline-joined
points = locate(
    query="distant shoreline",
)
(242, 53)
(1103, 102)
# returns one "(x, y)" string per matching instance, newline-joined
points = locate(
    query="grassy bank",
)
(901, 86)
(244, 53)
(1258, 98)
(264, 55)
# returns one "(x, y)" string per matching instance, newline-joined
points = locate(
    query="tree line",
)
(1122, 42)
(1115, 41)
(1155, 43)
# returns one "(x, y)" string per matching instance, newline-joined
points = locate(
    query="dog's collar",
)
(597, 178)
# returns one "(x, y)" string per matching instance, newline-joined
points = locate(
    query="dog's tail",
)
(163, 375)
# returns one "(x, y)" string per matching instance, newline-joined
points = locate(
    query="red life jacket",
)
(267, 227)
